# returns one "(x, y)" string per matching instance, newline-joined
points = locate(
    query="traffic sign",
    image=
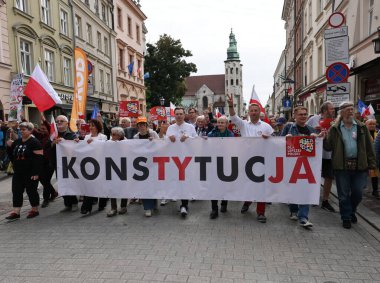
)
(336, 89)
(337, 73)
(338, 99)
(336, 32)
(336, 50)
(336, 19)
(287, 103)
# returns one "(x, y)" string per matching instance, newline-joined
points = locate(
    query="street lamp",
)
(162, 101)
(376, 42)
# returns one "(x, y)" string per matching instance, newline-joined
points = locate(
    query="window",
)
(87, 2)
(138, 34)
(139, 68)
(64, 22)
(106, 45)
(119, 18)
(21, 5)
(96, 7)
(231, 70)
(237, 82)
(104, 15)
(226, 71)
(319, 7)
(232, 82)
(78, 26)
(108, 83)
(311, 69)
(226, 82)
(305, 70)
(310, 16)
(237, 71)
(99, 36)
(26, 57)
(67, 71)
(89, 33)
(370, 16)
(49, 64)
(46, 12)
(101, 80)
(129, 26)
(305, 22)
(121, 59)
(205, 102)
(320, 61)
(130, 59)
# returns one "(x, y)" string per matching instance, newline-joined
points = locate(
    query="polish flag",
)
(255, 99)
(217, 113)
(53, 129)
(40, 91)
(172, 107)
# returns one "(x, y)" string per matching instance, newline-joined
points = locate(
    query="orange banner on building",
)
(80, 88)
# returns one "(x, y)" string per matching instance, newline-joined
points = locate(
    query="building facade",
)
(212, 89)
(5, 62)
(305, 24)
(93, 30)
(130, 51)
(40, 32)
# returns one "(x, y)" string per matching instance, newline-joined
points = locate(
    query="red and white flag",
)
(40, 91)
(53, 129)
(255, 99)
(217, 113)
(172, 107)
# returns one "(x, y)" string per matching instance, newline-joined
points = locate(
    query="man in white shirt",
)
(253, 128)
(181, 131)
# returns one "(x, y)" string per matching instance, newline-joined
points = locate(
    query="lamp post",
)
(376, 42)
(162, 101)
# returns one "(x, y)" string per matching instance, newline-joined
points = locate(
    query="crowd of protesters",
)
(349, 147)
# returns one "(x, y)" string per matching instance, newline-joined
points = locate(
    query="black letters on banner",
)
(249, 169)
(68, 167)
(202, 166)
(122, 172)
(234, 169)
(139, 167)
(96, 168)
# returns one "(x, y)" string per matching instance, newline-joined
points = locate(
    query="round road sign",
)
(336, 20)
(337, 73)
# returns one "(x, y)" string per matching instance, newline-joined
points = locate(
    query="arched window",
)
(232, 82)
(237, 82)
(205, 102)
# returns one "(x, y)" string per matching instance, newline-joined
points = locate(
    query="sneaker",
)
(354, 219)
(148, 213)
(347, 224)
(214, 214)
(123, 210)
(183, 211)
(261, 218)
(306, 223)
(13, 216)
(293, 216)
(32, 214)
(327, 206)
(112, 213)
(223, 208)
(244, 209)
(163, 202)
(53, 196)
(74, 207)
(45, 203)
(66, 209)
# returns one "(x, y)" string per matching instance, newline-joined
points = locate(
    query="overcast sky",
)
(203, 26)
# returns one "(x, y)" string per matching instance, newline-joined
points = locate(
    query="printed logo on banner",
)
(234, 129)
(300, 146)
(129, 108)
(158, 113)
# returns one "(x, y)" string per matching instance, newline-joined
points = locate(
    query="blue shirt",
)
(350, 137)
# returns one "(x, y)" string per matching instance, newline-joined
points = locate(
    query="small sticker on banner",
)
(300, 146)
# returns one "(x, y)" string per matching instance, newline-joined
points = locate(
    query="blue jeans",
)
(350, 185)
(302, 211)
(149, 204)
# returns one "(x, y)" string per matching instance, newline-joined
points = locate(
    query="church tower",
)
(234, 75)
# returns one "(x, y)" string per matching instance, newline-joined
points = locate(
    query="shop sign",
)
(65, 96)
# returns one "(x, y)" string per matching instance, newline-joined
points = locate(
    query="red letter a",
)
(297, 168)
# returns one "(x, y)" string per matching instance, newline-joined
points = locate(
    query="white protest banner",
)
(15, 103)
(237, 169)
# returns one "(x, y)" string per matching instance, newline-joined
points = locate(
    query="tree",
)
(165, 62)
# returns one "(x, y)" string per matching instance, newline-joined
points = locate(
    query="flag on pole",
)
(217, 113)
(95, 112)
(130, 67)
(255, 100)
(53, 129)
(172, 107)
(146, 76)
(363, 109)
(40, 91)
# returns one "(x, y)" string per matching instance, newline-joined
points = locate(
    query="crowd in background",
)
(27, 151)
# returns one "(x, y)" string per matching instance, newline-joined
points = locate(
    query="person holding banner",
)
(27, 158)
(64, 133)
(145, 133)
(300, 212)
(181, 131)
(95, 135)
(254, 128)
(117, 134)
(353, 158)
(220, 131)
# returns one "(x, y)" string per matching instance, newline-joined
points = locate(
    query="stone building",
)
(5, 62)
